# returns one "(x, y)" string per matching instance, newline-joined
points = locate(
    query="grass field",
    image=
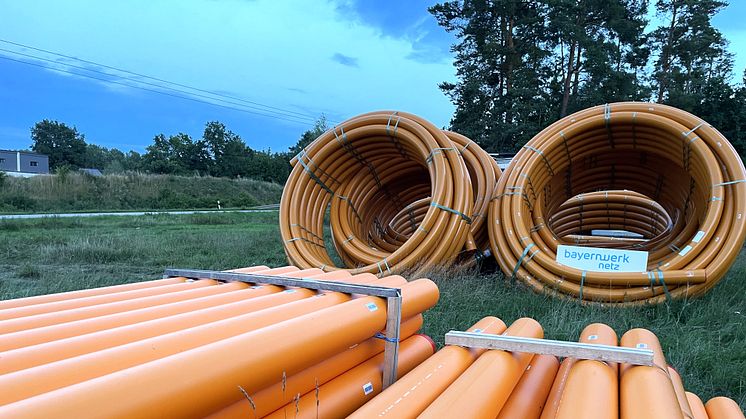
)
(704, 339)
(131, 191)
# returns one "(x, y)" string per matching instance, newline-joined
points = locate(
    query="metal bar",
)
(285, 282)
(392, 295)
(552, 347)
(391, 348)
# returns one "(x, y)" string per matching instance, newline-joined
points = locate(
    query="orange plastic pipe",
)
(664, 153)
(368, 169)
(48, 377)
(58, 306)
(31, 356)
(698, 408)
(53, 332)
(24, 338)
(678, 387)
(413, 392)
(342, 395)
(161, 343)
(591, 387)
(723, 408)
(159, 388)
(274, 397)
(551, 406)
(49, 298)
(528, 397)
(189, 290)
(482, 390)
(647, 392)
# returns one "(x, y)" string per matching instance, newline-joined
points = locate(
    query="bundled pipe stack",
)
(689, 208)
(401, 193)
(179, 348)
(476, 383)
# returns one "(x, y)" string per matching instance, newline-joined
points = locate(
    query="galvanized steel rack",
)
(634, 356)
(392, 295)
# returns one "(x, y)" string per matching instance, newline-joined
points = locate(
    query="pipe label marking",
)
(685, 250)
(598, 259)
(367, 388)
(371, 306)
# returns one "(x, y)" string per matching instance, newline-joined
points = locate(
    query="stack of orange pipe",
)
(471, 383)
(181, 348)
(400, 192)
(575, 175)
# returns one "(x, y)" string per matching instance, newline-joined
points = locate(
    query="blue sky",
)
(292, 60)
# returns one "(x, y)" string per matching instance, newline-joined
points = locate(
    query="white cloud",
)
(274, 52)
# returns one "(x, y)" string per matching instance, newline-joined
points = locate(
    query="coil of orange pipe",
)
(665, 154)
(401, 193)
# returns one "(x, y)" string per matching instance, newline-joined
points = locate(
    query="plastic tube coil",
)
(400, 193)
(576, 175)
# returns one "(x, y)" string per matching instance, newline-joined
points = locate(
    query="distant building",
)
(23, 163)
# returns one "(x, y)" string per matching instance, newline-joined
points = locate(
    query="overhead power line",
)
(279, 113)
(35, 57)
(161, 92)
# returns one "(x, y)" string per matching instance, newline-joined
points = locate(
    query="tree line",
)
(523, 64)
(219, 152)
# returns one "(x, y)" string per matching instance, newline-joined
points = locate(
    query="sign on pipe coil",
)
(666, 155)
(400, 193)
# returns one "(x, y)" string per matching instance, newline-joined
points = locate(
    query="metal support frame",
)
(579, 350)
(392, 295)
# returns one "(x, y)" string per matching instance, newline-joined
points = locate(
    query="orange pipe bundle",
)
(482, 390)
(275, 396)
(590, 389)
(647, 392)
(723, 408)
(345, 393)
(693, 174)
(412, 393)
(237, 312)
(48, 298)
(506, 385)
(225, 346)
(527, 399)
(400, 192)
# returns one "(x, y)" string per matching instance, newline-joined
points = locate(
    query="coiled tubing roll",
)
(609, 210)
(665, 154)
(401, 193)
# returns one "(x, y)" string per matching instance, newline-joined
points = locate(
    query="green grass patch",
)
(76, 192)
(703, 338)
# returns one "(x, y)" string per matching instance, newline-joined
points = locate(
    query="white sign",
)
(598, 259)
